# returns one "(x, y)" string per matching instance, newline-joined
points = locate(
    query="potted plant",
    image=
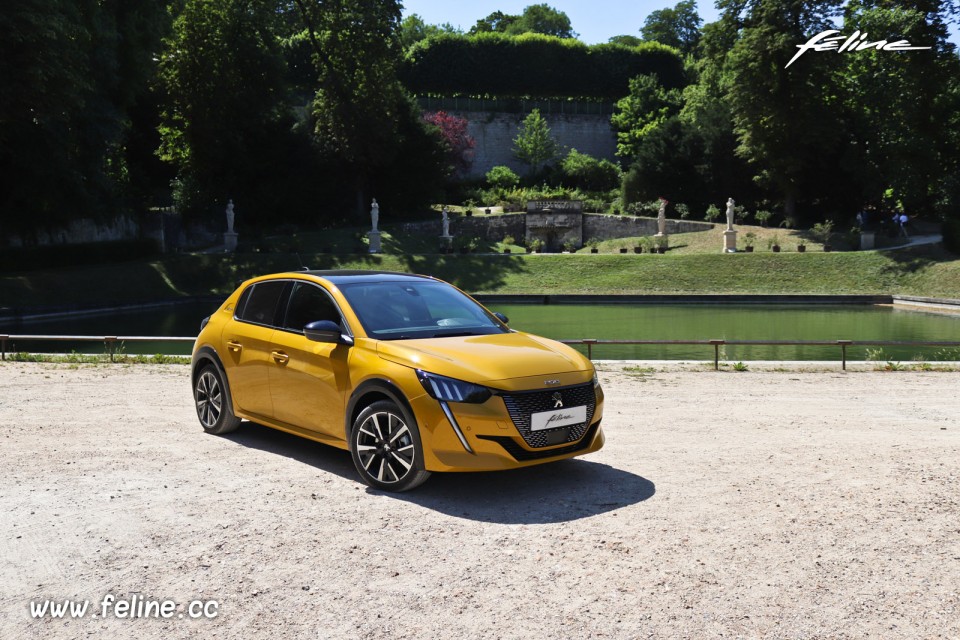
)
(801, 246)
(823, 232)
(748, 240)
(763, 217)
(660, 244)
(468, 206)
(646, 244)
(594, 245)
(536, 245)
(774, 243)
(569, 247)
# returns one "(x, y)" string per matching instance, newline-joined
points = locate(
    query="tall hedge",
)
(533, 65)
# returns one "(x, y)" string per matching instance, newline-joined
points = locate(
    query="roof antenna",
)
(303, 267)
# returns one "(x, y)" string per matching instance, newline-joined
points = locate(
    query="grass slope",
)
(924, 271)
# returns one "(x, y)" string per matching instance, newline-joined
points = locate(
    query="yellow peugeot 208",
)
(408, 373)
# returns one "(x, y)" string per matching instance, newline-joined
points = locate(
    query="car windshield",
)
(409, 310)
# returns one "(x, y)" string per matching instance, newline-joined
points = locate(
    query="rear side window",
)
(261, 305)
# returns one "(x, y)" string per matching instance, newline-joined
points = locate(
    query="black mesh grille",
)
(521, 405)
(522, 455)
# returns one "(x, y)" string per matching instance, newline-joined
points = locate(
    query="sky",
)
(595, 20)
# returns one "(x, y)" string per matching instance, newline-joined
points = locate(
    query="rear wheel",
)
(213, 409)
(386, 448)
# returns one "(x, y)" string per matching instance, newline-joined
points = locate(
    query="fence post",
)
(3, 346)
(716, 353)
(108, 342)
(589, 342)
(843, 348)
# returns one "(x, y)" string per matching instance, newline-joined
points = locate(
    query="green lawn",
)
(923, 271)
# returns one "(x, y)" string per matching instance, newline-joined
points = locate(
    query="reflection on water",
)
(605, 322)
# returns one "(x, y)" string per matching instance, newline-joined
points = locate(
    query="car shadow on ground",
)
(556, 492)
(322, 457)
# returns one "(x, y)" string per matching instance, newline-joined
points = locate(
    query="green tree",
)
(359, 101)
(648, 106)
(413, 29)
(534, 145)
(542, 18)
(223, 73)
(627, 41)
(72, 71)
(907, 147)
(786, 119)
(536, 18)
(678, 27)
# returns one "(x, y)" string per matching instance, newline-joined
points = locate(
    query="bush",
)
(502, 177)
(588, 173)
(713, 212)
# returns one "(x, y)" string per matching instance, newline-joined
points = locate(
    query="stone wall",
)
(606, 227)
(494, 134)
(83, 230)
(594, 225)
(489, 228)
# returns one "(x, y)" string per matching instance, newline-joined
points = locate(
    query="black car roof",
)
(345, 277)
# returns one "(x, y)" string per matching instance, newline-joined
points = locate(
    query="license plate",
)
(558, 418)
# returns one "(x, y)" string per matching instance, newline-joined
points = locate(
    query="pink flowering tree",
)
(460, 144)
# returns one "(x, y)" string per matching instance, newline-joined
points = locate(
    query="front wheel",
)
(213, 408)
(386, 448)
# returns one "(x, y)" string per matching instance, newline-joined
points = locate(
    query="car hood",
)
(485, 359)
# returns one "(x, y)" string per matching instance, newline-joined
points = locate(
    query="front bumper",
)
(492, 438)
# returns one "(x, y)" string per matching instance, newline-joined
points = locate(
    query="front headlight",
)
(596, 380)
(451, 390)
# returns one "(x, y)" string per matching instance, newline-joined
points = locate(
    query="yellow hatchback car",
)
(408, 373)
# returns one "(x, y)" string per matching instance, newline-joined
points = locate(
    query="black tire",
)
(212, 401)
(386, 448)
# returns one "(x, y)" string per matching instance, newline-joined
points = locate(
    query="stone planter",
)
(623, 249)
(801, 248)
(776, 248)
(748, 249)
(661, 249)
(487, 211)
(638, 249)
(594, 250)
(506, 250)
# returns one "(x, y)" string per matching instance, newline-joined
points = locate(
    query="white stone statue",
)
(446, 222)
(730, 205)
(230, 216)
(662, 217)
(375, 214)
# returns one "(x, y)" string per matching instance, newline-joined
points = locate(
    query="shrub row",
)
(533, 65)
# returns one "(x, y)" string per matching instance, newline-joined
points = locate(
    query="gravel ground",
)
(778, 504)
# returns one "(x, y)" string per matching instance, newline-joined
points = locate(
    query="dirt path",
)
(776, 505)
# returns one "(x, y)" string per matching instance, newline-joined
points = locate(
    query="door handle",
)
(280, 357)
(233, 345)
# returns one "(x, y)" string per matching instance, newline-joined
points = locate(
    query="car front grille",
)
(521, 405)
(522, 455)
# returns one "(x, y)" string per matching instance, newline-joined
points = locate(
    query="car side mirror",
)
(502, 318)
(324, 331)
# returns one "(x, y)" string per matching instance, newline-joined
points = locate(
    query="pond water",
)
(605, 322)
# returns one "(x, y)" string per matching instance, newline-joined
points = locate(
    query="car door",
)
(308, 380)
(248, 345)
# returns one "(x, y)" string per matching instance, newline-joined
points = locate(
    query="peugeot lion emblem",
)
(557, 400)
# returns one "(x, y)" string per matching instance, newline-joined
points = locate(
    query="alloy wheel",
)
(209, 399)
(385, 447)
